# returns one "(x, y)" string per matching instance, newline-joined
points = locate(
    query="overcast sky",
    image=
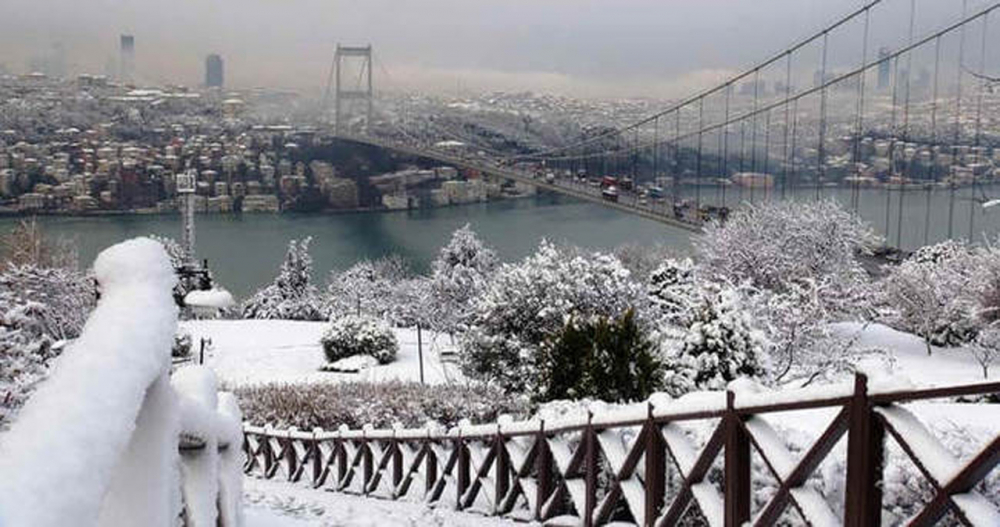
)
(579, 47)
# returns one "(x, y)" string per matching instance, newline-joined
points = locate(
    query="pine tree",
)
(460, 273)
(291, 296)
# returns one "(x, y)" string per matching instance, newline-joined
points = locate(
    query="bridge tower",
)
(362, 92)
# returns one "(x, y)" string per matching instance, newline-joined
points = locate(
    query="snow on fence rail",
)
(646, 467)
(111, 438)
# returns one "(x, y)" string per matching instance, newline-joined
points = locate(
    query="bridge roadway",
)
(629, 202)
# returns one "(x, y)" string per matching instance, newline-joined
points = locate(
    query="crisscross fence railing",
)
(648, 466)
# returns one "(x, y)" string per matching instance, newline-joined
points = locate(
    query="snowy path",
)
(280, 504)
(260, 351)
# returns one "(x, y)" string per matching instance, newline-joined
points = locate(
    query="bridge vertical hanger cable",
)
(725, 141)
(906, 125)
(767, 150)
(859, 130)
(788, 88)
(893, 140)
(697, 188)
(753, 132)
(820, 152)
(795, 132)
(656, 148)
(743, 147)
(677, 155)
(935, 148)
(958, 123)
(979, 127)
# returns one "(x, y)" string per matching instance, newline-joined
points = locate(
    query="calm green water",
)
(244, 251)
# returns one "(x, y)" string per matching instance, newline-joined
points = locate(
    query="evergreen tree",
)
(460, 273)
(291, 296)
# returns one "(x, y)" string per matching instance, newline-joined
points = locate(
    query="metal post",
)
(736, 488)
(865, 437)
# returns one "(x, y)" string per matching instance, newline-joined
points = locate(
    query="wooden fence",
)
(649, 467)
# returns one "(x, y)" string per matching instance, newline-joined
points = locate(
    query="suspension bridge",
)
(887, 109)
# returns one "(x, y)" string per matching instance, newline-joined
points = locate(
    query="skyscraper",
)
(213, 71)
(883, 69)
(126, 63)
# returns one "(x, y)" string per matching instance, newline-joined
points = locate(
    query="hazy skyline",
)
(576, 47)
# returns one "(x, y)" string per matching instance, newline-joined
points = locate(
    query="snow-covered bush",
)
(936, 293)
(412, 303)
(39, 307)
(364, 288)
(352, 335)
(182, 345)
(671, 289)
(776, 243)
(610, 360)
(382, 405)
(292, 295)
(460, 273)
(713, 343)
(527, 303)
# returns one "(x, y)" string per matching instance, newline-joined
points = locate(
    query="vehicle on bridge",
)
(609, 181)
(610, 193)
(626, 184)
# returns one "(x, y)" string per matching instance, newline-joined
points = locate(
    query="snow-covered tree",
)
(365, 288)
(291, 296)
(773, 244)
(671, 289)
(986, 349)
(39, 308)
(412, 303)
(715, 342)
(528, 302)
(460, 273)
(935, 294)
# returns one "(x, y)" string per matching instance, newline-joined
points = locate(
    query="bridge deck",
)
(661, 212)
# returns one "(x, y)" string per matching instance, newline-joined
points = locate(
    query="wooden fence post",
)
(431, 464)
(865, 457)
(655, 470)
(462, 468)
(268, 457)
(543, 464)
(291, 456)
(397, 462)
(502, 472)
(737, 467)
(317, 460)
(366, 462)
(590, 476)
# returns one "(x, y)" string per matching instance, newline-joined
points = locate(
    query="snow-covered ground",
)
(281, 504)
(260, 351)
(245, 352)
(944, 366)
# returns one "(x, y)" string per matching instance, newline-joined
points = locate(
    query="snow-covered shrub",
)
(935, 294)
(986, 348)
(671, 289)
(365, 288)
(776, 243)
(27, 245)
(526, 303)
(382, 405)
(292, 295)
(460, 273)
(411, 303)
(610, 360)
(352, 335)
(714, 342)
(39, 307)
(182, 345)
(642, 260)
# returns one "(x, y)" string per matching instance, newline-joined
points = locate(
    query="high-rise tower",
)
(214, 71)
(126, 59)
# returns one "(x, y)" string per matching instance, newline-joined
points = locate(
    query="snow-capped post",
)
(736, 488)
(397, 461)
(420, 353)
(865, 458)
(655, 474)
(366, 460)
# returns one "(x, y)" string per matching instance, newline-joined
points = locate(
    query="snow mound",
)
(213, 298)
(352, 364)
(60, 457)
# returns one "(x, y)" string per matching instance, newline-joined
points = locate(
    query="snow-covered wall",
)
(76, 439)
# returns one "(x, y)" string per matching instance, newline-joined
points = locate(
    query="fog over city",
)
(576, 47)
